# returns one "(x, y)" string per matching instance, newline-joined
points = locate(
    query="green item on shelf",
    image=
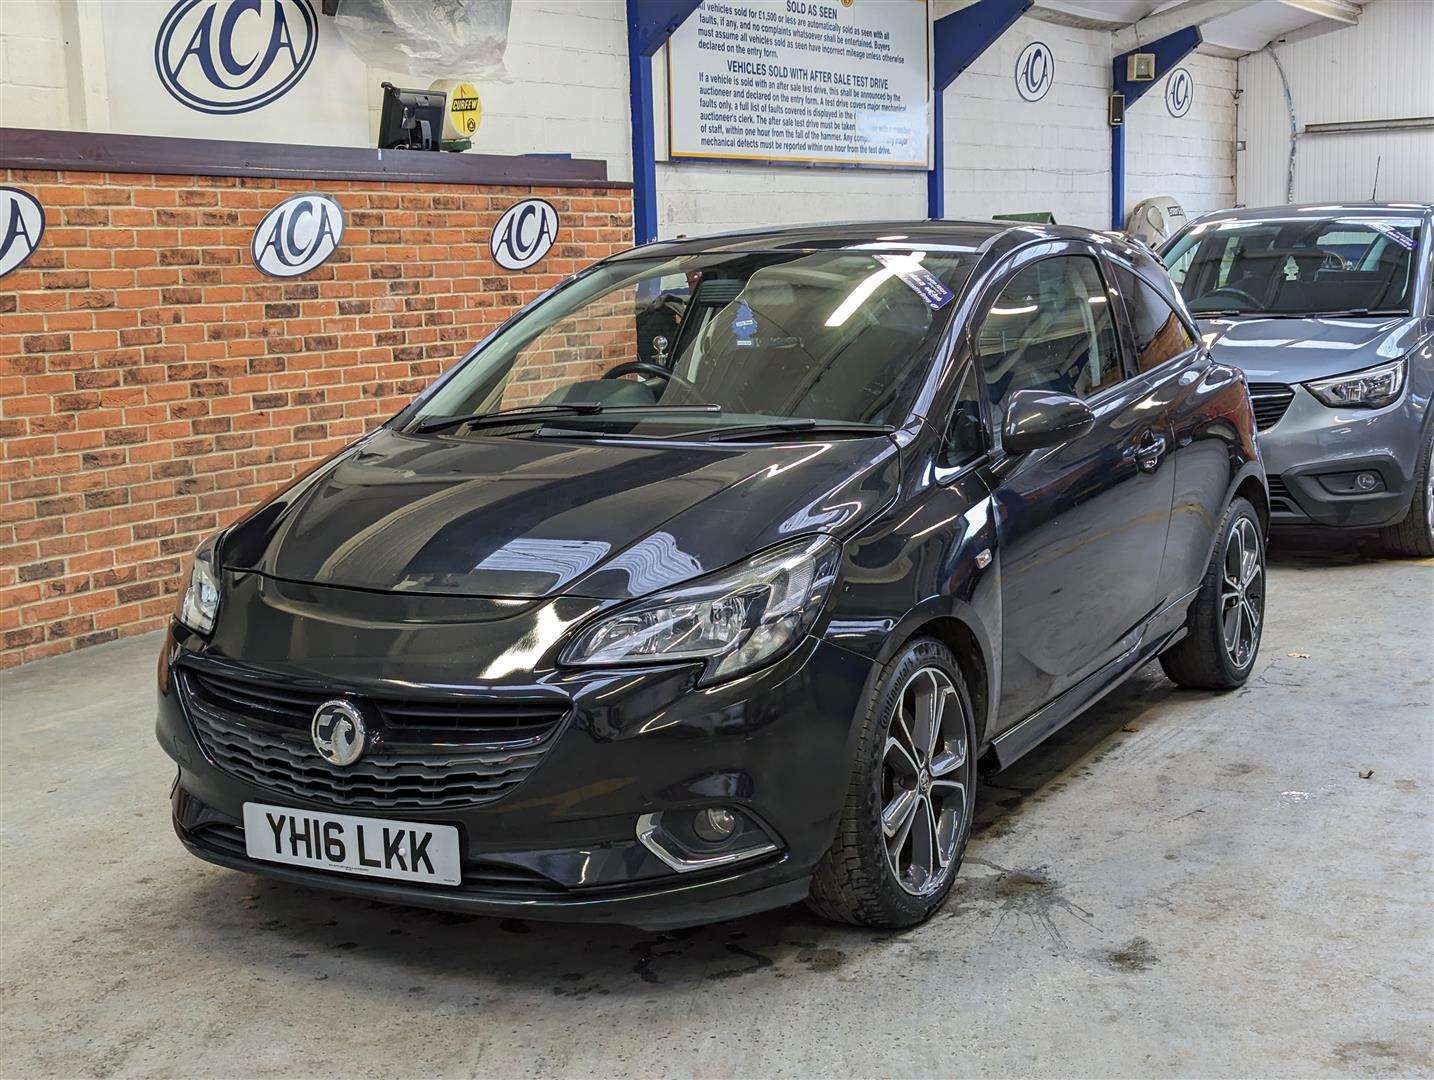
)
(1035, 217)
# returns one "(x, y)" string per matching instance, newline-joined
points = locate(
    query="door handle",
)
(1149, 451)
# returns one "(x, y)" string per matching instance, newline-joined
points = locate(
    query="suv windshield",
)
(1297, 266)
(837, 336)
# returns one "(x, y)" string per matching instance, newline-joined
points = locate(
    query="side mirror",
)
(1037, 418)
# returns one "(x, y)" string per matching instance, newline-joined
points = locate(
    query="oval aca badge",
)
(524, 234)
(22, 223)
(297, 235)
(1035, 71)
(1179, 92)
(232, 56)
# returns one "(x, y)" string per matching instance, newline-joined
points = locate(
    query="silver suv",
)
(1327, 310)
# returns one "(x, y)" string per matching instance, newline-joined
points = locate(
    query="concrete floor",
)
(1179, 883)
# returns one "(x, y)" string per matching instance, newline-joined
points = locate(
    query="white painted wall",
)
(1191, 157)
(566, 91)
(1005, 154)
(33, 82)
(1378, 70)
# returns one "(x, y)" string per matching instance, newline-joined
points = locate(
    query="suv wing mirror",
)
(1037, 418)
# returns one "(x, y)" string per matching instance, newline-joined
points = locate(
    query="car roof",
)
(977, 238)
(974, 235)
(1352, 209)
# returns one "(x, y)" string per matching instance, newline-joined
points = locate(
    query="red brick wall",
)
(154, 385)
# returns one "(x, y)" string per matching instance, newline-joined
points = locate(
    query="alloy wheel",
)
(1429, 491)
(1242, 592)
(923, 782)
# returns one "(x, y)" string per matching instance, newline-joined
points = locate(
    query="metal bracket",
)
(1169, 51)
(957, 40)
(649, 24)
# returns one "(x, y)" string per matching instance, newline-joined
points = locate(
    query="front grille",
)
(430, 755)
(1270, 401)
(404, 720)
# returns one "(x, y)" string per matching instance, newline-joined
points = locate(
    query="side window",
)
(965, 436)
(1159, 333)
(1050, 329)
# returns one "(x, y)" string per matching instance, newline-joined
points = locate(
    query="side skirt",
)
(1042, 724)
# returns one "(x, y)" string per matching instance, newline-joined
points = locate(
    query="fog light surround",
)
(1361, 482)
(712, 836)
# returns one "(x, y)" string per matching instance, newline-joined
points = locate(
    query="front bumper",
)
(562, 843)
(1313, 453)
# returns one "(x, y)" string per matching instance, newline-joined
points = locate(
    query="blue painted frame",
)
(649, 24)
(956, 41)
(1169, 51)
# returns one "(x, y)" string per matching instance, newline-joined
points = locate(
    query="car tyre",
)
(1415, 534)
(908, 808)
(1227, 617)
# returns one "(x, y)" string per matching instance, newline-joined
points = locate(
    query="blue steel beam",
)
(956, 41)
(1169, 51)
(649, 24)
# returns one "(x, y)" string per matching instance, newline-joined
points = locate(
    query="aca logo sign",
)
(232, 56)
(22, 223)
(1179, 92)
(1035, 71)
(524, 234)
(297, 235)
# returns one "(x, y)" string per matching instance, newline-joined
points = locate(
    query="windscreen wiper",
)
(1343, 313)
(544, 412)
(777, 428)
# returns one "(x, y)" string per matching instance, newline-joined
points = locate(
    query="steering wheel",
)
(642, 367)
(1231, 290)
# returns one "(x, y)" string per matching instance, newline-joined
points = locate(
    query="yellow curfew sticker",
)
(465, 111)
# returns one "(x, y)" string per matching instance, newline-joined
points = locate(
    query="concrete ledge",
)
(27, 148)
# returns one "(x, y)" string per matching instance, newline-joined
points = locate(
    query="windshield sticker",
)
(1391, 231)
(918, 279)
(744, 326)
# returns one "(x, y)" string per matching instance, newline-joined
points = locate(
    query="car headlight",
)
(1372, 388)
(735, 620)
(199, 606)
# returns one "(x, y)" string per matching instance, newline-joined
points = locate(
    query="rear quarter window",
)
(1158, 331)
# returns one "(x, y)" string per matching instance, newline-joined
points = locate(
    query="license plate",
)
(375, 847)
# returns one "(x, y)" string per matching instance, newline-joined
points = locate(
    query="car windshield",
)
(722, 340)
(1297, 266)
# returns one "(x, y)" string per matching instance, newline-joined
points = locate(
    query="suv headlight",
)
(1372, 388)
(736, 620)
(199, 606)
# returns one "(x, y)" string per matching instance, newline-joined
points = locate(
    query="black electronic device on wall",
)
(411, 119)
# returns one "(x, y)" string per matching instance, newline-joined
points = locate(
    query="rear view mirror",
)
(1037, 418)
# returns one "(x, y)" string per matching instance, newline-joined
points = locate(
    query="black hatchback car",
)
(705, 583)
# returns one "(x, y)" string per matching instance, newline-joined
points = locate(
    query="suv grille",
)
(1270, 401)
(430, 755)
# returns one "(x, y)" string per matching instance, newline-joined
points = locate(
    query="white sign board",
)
(810, 81)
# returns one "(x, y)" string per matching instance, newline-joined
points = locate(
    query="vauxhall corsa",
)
(707, 583)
